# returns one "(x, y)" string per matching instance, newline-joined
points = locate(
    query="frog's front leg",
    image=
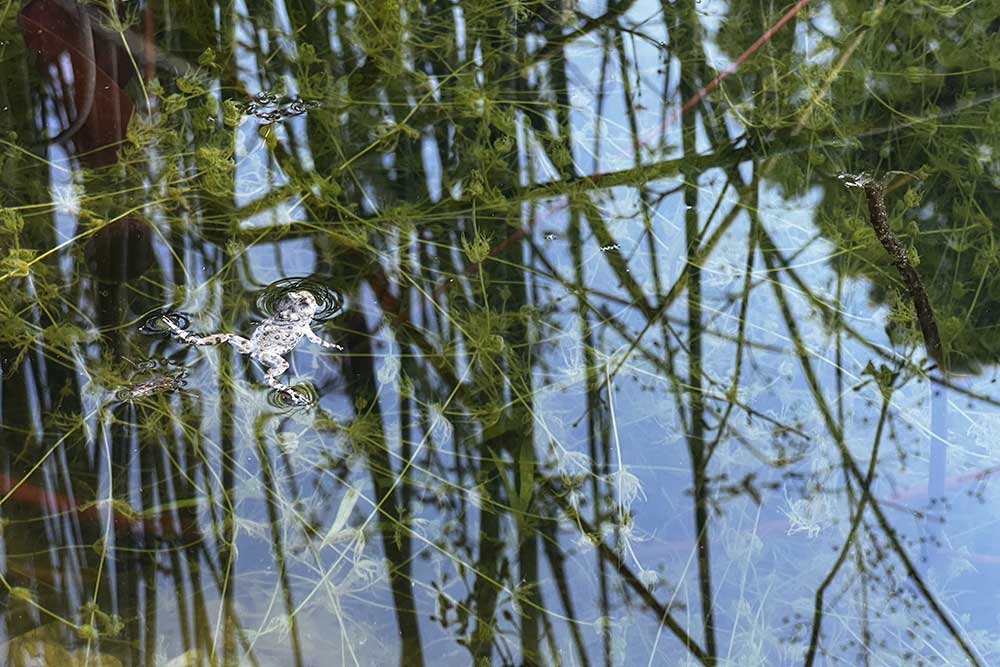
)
(241, 344)
(313, 337)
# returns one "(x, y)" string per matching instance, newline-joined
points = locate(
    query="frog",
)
(270, 341)
(155, 382)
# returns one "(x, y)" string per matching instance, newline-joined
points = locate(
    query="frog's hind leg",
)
(276, 366)
(241, 344)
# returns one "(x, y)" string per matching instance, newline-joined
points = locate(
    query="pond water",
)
(631, 375)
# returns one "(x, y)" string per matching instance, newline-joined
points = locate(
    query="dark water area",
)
(499, 333)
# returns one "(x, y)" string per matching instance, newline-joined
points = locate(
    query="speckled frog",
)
(271, 340)
(150, 381)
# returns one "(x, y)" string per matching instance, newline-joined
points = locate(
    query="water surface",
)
(630, 376)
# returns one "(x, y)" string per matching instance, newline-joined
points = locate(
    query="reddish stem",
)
(729, 71)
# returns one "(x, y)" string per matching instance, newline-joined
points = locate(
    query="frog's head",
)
(296, 306)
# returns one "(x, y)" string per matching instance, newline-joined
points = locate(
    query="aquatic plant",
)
(629, 376)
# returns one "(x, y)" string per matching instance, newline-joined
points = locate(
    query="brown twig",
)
(878, 216)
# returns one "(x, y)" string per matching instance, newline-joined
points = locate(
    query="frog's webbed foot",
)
(164, 323)
(293, 397)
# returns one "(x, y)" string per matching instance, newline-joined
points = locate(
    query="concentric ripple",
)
(155, 324)
(329, 300)
(305, 395)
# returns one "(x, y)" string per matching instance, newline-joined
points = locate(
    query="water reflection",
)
(628, 376)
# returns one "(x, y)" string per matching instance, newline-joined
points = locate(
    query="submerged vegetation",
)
(629, 377)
